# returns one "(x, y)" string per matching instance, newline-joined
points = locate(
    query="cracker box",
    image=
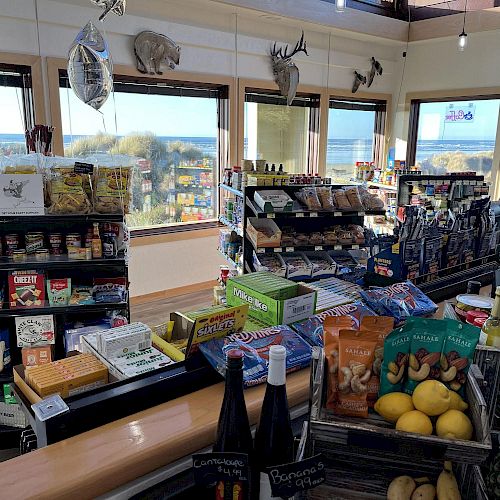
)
(34, 331)
(26, 289)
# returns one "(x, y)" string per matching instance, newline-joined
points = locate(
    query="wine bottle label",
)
(265, 487)
(229, 491)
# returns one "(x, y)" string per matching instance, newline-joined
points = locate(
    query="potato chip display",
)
(112, 190)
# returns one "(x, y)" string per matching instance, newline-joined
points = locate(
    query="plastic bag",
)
(340, 200)
(309, 197)
(325, 197)
(354, 198)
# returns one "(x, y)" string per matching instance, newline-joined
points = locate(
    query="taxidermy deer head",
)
(286, 74)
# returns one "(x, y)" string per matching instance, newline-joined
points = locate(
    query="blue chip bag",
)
(256, 347)
(312, 328)
(4, 350)
(400, 301)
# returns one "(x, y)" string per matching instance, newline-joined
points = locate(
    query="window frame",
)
(414, 119)
(34, 64)
(55, 65)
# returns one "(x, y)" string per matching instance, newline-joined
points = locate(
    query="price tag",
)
(261, 250)
(83, 168)
(271, 216)
(355, 247)
(313, 214)
(337, 214)
(286, 480)
(278, 250)
(318, 248)
(300, 214)
(209, 468)
(361, 214)
(290, 249)
(337, 247)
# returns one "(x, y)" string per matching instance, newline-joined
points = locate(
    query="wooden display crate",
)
(375, 438)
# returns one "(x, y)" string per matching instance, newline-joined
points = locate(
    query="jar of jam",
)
(73, 240)
(11, 244)
(34, 241)
(42, 255)
(19, 255)
(56, 243)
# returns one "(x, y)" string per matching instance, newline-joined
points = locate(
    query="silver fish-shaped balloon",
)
(90, 69)
(115, 6)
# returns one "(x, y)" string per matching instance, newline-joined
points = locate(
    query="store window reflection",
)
(169, 134)
(457, 136)
(279, 133)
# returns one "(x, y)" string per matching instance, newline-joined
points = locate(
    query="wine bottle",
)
(274, 438)
(233, 430)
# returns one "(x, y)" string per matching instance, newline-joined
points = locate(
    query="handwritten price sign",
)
(209, 468)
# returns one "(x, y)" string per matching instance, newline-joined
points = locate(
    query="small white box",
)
(273, 200)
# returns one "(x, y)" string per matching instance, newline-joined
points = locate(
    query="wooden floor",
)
(158, 311)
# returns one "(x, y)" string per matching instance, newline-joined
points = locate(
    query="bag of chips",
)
(112, 190)
(66, 190)
(400, 301)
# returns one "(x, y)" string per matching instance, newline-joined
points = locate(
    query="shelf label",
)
(271, 216)
(355, 247)
(337, 247)
(209, 468)
(287, 480)
(361, 214)
(278, 250)
(290, 249)
(300, 214)
(337, 214)
(83, 168)
(261, 250)
(313, 214)
(318, 248)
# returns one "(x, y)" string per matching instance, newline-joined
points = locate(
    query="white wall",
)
(206, 32)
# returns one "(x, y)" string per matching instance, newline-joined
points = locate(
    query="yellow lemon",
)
(431, 397)
(393, 405)
(415, 421)
(456, 402)
(454, 424)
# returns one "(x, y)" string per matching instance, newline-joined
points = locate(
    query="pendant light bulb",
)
(340, 5)
(462, 41)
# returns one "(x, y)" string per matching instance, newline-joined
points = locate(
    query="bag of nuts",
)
(395, 363)
(376, 328)
(427, 339)
(458, 353)
(331, 328)
(356, 354)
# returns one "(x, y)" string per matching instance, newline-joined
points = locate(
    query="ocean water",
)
(339, 151)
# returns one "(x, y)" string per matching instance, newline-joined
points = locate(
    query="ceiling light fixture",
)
(340, 5)
(462, 38)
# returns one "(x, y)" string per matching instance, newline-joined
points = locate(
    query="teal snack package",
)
(427, 340)
(395, 363)
(457, 355)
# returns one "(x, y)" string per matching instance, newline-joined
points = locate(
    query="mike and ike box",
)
(273, 300)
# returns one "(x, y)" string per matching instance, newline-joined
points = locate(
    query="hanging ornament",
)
(115, 6)
(90, 70)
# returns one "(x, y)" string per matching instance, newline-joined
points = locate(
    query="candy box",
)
(26, 289)
(312, 328)
(59, 291)
(33, 331)
(34, 356)
(255, 346)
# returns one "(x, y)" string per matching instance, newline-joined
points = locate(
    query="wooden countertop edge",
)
(105, 458)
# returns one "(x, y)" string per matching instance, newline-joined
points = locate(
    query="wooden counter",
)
(105, 458)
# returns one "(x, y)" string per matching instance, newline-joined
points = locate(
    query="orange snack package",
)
(376, 328)
(331, 328)
(356, 355)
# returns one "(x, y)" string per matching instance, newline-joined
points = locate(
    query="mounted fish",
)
(375, 69)
(359, 79)
(152, 50)
(90, 70)
(115, 6)
(286, 74)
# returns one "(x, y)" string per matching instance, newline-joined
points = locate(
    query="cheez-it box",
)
(34, 356)
(26, 289)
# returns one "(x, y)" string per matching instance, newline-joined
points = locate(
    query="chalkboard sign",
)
(209, 468)
(83, 168)
(288, 479)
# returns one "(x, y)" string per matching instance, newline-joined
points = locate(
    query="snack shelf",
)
(307, 248)
(306, 213)
(82, 309)
(229, 260)
(59, 262)
(236, 229)
(379, 185)
(231, 190)
(187, 167)
(50, 219)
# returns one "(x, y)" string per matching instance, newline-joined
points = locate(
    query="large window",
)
(355, 134)
(16, 106)
(170, 133)
(453, 136)
(279, 133)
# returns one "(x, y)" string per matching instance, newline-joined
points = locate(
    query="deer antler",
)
(301, 46)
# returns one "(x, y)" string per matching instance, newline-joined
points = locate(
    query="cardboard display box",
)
(263, 232)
